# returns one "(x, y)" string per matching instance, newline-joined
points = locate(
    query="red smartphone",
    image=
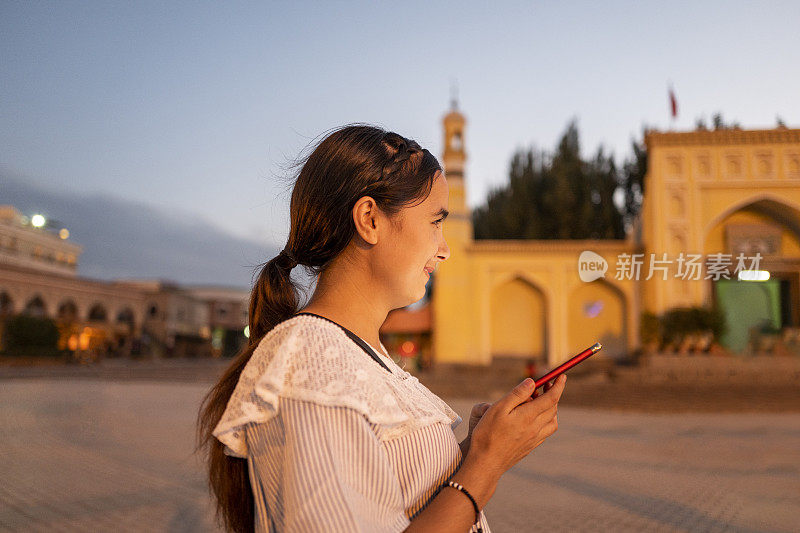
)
(563, 367)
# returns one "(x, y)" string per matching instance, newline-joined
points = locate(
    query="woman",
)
(314, 427)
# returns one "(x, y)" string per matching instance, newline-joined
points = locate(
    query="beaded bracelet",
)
(474, 503)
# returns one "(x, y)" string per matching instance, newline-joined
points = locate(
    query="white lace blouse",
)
(333, 441)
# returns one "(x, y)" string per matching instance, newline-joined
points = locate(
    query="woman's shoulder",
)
(309, 358)
(305, 358)
(306, 341)
(298, 329)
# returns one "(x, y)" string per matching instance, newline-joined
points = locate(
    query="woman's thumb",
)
(479, 409)
(518, 394)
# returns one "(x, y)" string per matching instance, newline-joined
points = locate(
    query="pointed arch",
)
(785, 209)
(518, 318)
(597, 312)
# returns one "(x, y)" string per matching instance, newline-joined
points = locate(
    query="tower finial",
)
(454, 93)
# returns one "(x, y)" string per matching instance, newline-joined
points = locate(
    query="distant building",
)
(174, 323)
(38, 276)
(227, 311)
(24, 245)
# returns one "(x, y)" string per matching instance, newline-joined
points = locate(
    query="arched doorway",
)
(98, 313)
(6, 310)
(518, 320)
(597, 313)
(6, 305)
(124, 328)
(95, 336)
(36, 307)
(125, 317)
(67, 312)
(771, 300)
(69, 327)
(747, 305)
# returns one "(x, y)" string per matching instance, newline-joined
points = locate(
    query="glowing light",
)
(38, 221)
(753, 275)
(247, 331)
(63, 233)
(407, 348)
(83, 340)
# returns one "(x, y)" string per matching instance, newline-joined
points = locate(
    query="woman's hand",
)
(512, 427)
(475, 415)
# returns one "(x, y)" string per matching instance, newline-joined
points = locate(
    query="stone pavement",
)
(98, 455)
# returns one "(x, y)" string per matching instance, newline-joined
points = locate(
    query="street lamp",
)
(38, 221)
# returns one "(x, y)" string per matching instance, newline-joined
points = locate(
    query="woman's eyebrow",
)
(442, 211)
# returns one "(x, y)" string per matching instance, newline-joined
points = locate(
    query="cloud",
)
(126, 239)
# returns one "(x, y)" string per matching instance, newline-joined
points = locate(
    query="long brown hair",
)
(350, 163)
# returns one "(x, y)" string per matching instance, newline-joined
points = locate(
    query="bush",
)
(30, 335)
(650, 328)
(677, 323)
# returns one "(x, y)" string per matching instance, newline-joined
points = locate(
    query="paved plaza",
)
(100, 455)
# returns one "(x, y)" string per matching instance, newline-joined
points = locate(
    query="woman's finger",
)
(546, 416)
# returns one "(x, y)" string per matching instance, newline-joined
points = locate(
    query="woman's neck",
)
(349, 303)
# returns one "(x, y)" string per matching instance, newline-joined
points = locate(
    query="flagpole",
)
(673, 105)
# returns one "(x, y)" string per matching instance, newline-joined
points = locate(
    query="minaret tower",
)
(452, 294)
(454, 158)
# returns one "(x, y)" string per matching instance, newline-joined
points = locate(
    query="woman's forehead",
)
(439, 192)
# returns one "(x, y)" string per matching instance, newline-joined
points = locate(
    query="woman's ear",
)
(367, 218)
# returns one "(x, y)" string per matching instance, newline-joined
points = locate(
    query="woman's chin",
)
(412, 299)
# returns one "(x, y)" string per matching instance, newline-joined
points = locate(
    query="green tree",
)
(718, 123)
(632, 181)
(559, 196)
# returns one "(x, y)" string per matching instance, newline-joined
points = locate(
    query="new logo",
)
(591, 266)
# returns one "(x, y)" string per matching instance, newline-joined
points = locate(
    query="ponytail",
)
(272, 300)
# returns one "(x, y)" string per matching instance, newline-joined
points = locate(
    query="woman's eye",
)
(438, 221)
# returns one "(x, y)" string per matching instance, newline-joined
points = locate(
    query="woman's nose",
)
(444, 251)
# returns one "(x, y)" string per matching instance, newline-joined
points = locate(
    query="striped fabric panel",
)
(321, 468)
(424, 461)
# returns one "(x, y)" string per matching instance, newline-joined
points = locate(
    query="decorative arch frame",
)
(533, 281)
(738, 205)
(624, 298)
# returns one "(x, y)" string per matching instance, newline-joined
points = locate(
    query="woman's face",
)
(415, 247)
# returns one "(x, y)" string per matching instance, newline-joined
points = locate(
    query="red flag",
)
(673, 103)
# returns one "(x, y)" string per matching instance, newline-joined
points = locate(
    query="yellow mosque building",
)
(720, 225)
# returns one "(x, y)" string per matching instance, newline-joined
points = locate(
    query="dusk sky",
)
(197, 109)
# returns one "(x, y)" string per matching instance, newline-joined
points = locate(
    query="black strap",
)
(358, 340)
